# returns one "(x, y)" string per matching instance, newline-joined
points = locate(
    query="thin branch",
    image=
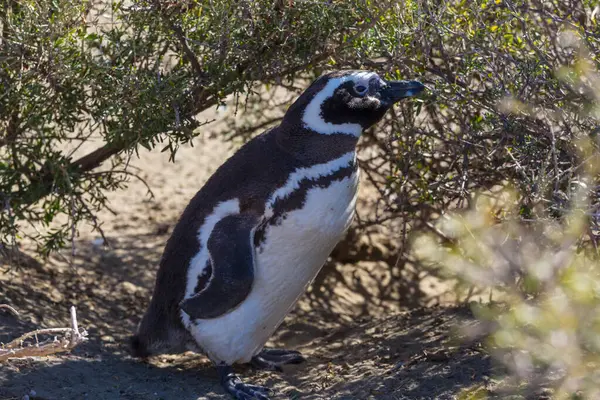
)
(181, 38)
(9, 308)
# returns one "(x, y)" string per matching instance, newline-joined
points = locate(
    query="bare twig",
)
(71, 337)
(9, 308)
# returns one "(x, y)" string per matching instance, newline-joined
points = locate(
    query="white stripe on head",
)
(312, 117)
(198, 264)
(312, 173)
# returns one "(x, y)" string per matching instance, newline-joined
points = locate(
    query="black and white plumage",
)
(254, 237)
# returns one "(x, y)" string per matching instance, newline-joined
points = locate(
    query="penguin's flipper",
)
(231, 249)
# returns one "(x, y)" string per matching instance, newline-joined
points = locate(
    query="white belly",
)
(288, 260)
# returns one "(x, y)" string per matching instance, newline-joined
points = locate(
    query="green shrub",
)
(134, 76)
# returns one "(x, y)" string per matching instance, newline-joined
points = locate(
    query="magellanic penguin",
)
(256, 235)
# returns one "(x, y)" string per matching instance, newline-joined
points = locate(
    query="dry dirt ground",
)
(353, 351)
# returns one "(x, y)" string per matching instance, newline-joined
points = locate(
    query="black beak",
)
(395, 91)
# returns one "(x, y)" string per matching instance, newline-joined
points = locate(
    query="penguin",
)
(257, 233)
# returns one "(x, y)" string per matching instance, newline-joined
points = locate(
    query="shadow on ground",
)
(406, 356)
(111, 286)
(351, 353)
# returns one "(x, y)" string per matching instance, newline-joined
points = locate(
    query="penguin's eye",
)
(361, 89)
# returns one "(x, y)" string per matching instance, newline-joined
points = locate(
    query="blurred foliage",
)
(544, 272)
(541, 319)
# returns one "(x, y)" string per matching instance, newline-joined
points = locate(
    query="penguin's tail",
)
(138, 348)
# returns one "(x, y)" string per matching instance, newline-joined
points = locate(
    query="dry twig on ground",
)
(10, 309)
(70, 337)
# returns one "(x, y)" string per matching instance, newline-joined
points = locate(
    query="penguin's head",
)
(348, 102)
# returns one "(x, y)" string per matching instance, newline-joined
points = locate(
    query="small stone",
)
(55, 295)
(162, 229)
(128, 287)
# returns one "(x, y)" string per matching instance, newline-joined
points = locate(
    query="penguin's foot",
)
(274, 359)
(238, 389)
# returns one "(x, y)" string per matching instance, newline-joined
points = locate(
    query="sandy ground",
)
(357, 347)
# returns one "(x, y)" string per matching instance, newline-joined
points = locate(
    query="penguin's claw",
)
(274, 359)
(240, 390)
